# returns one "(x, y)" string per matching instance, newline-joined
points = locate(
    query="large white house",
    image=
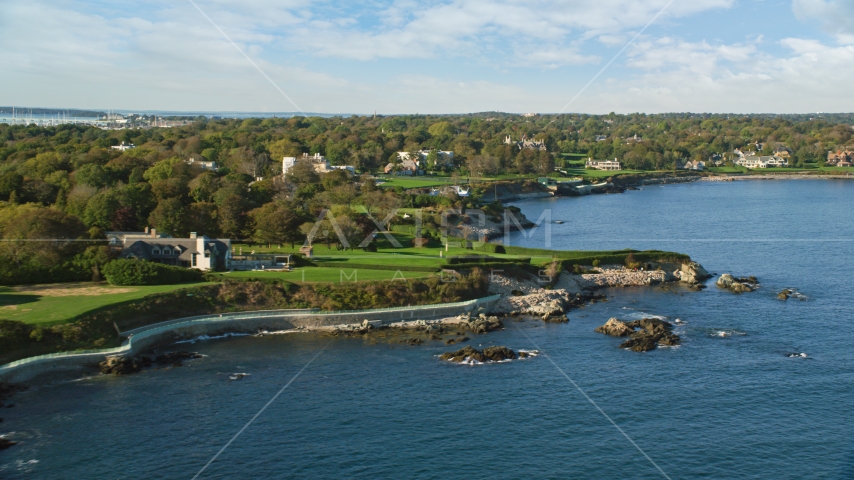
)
(124, 146)
(604, 164)
(445, 157)
(754, 161)
(320, 163)
(198, 252)
(202, 162)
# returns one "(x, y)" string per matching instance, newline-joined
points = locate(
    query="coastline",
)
(775, 176)
(509, 297)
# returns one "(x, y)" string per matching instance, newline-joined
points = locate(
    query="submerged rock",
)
(119, 365)
(737, 285)
(4, 444)
(176, 358)
(469, 353)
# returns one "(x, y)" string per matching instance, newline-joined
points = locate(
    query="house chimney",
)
(153, 233)
(193, 235)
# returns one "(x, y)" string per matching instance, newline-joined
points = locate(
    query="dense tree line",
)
(65, 182)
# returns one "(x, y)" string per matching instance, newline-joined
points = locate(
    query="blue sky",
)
(438, 56)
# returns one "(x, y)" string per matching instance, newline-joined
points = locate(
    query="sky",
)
(432, 56)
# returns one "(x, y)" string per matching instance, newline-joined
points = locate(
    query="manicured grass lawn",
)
(335, 275)
(58, 303)
(726, 170)
(416, 182)
(582, 172)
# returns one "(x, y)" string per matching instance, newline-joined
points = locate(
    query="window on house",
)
(207, 254)
(156, 251)
(166, 251)
(194, 259)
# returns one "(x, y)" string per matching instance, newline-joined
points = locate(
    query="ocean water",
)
(732, 406)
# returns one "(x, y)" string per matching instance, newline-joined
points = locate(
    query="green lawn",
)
(58, 303)
(414, 182)
(335, 275)
(582, 172)
(726, 170)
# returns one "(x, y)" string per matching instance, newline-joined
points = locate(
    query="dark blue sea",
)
(734, 406)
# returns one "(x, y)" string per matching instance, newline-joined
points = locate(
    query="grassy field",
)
(334, 275)
(582, 172)
(58, 303)
(726, 170)
(416, 182)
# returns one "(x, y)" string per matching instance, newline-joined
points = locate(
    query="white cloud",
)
(836, 16)
(462, 27)
(681, 76)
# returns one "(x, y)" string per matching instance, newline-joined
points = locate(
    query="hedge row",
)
(582, 257)
(138, 272)
(457, 259)
(497, 266)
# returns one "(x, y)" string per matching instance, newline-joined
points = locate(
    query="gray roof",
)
(180, 248)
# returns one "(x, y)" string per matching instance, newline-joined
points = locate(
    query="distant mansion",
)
(443, 156)
(840, 158)
(198, 252)
(319, 162)
(754, 161)
(124, 146)
(202, 162)
(603, 164)
(526, 143)
(696, 165)
(406, 167)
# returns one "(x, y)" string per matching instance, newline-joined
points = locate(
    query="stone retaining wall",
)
(166, 333)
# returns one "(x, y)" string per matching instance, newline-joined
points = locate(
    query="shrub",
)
(475, 258)
(596, 263)
(14, 334)
(137, 272)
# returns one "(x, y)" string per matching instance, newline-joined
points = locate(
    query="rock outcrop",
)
(737, 285)
(119, 365)
(123, 365)
(791, 293)
(615, 328)
(644, 335)
(692, 273)
(4, 443)
(489, 354)
(479, 324)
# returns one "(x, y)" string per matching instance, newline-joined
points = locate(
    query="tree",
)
(161, 170)
(168, 217)
(201, 217)
(10, 182)
(302, 173)
(101, 210)
(277, 222)
(203, 187)
(231, 216)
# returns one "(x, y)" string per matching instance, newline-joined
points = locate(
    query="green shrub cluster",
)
(138, 272)
(483, 259)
